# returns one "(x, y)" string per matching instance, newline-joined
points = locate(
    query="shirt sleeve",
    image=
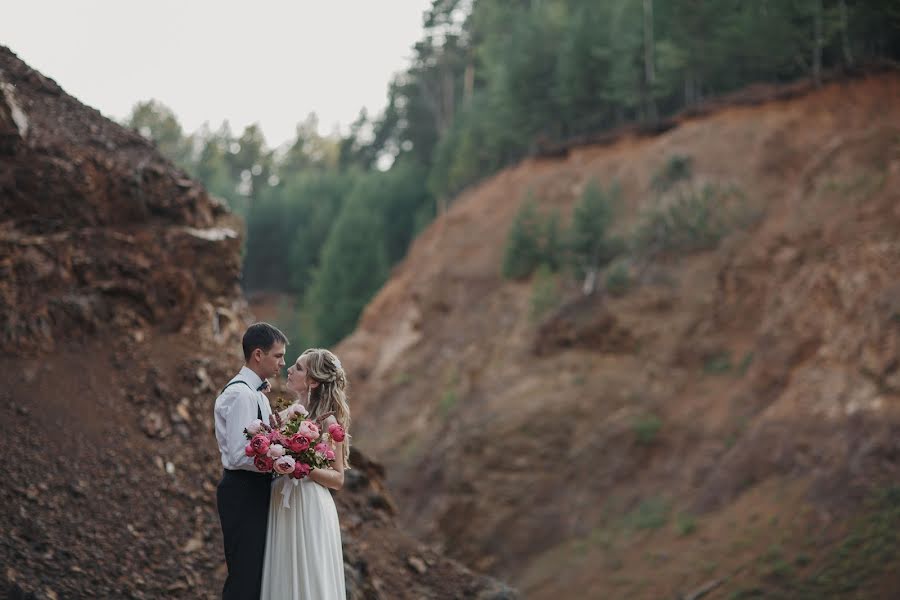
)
(239, 410)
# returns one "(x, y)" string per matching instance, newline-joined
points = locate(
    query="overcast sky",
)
(271, 62)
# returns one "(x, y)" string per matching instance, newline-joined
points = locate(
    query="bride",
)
(303, 559)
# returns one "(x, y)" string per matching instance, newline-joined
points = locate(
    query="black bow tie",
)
(262, 386)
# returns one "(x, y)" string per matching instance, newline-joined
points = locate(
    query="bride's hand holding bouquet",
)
(292, 446)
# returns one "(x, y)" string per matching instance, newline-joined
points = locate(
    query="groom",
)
(242, 496)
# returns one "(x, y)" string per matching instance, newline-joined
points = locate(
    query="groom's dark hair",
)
(262, 336)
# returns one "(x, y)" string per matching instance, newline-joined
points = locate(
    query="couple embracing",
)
(282, 538)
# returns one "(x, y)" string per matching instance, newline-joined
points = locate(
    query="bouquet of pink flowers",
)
(293, 446)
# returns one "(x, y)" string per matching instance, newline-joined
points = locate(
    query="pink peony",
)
(309, 430)
(260, 444)
(336, 432)
(329, 454)
(297, 443)
(263, 463)
(301, 470)
(322, 448)
(249, 450)
(254, 427)
(284, 465)
(275, 452)
(275, 437)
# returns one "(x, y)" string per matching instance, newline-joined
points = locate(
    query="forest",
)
(489, 83)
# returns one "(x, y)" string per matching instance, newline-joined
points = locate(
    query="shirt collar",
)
(250, 377)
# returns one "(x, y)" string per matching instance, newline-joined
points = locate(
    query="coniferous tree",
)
(523, 249)
(354, 265)
(591, 245)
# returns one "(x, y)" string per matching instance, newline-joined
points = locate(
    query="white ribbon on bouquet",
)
(286, 489)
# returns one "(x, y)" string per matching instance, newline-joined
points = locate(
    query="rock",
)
(78, 488)
(192, 545)
(182, 430)
(182, 410)
(204, 384)
(155, 425)
(417, 564)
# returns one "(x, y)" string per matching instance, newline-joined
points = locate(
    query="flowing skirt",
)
(303, 559)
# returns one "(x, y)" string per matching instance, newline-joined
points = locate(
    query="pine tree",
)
(354, 266)
(591, 245)
(523, 249)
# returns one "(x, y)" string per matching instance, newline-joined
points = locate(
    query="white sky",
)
(271, 62)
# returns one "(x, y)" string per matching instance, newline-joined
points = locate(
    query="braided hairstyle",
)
(331, 393)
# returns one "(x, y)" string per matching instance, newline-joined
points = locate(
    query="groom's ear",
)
(257, 354)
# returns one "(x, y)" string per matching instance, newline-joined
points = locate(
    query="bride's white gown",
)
(303, 558)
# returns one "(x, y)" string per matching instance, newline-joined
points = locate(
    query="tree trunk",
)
(448, 106)
(817, 45)
(590, 282)
(468, 81)
(845, 37)
(649, 72)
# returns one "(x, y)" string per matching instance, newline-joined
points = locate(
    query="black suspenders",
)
(258, 409)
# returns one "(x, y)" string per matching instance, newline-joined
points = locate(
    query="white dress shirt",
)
(235, 408)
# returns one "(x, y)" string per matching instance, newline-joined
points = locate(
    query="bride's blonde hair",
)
(331, 393)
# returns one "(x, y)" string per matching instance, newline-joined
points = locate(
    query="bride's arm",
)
(334, 477)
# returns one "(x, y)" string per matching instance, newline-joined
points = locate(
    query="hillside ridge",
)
(724, 380)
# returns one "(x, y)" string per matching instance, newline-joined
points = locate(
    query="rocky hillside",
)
(121, 316)
(720, 420)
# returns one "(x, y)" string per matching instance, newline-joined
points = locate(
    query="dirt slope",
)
(732, 419)
(121, 316)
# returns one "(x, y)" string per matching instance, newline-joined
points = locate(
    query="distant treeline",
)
(490, 80)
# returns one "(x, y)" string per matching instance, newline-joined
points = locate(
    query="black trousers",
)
(242, 498)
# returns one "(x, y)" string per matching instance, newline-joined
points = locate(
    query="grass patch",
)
(651, 513)
(545, 293)
(646, 428)
(745, 364)
(685, 524)
(677, 168)
(696, 220)
(618, 280)
(447, 403)
(802, 560)
(781, 570)
(718, 364)
(870, 549)
(401, 378)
